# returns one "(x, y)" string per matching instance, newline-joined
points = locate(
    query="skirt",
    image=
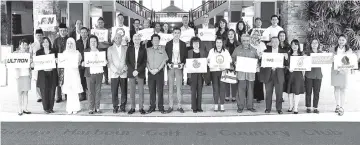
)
(296, 84)
(24, 83)
(339, 79)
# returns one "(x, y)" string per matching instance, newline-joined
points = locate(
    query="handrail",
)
(205, 8)
(136, 7)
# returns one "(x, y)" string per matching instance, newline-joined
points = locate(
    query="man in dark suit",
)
(274, 77)
(81, 45)
(206, 45)
(76, 32)
(136, 58)
(134, 30)
(177, 53)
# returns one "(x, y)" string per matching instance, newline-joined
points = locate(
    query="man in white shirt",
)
(103, 46)
(120, 20)
(34, 47)
(274, 29)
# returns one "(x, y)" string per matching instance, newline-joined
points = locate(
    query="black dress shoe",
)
(239, 110)
(38, 100)
(194, 111)
(252, 110)
(280, 112)
(91, 112)
(20, 113)
(162, 111)
(132, 111)
(295, 112)
(47, 111)
(51, 111)
(98, 111)
(27, 112)
(169, 110)
(316, 111)
(267, 111)
(308, 111)
(200, 110)
(151, 110)
(122, 109)
(142, 111)
(115, 110)
(181, 110)
(58, 100)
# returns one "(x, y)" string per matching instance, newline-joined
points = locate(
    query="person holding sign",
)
(76, 32)
(103, 46)
(246, 79)
(47, 79)
(72, 82)
(230, 44)
(59, 47)
(94, 76)
(81, 45)
(177, 51)
(295, 85)
(219, 59)
(197, 79)
(186, 27)
(118, 70)
(257, 25)
(23, 79)
(274, 77)
(313, 80)
(339, 77)
(156, 61)
(136, 62)
(34, 47)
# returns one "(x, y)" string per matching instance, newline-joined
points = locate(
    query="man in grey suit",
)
(118, 72)
(206, 45)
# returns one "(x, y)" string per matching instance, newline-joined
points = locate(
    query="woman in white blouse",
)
(23, 79)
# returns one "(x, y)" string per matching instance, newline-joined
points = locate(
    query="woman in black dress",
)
(295, 84)
(47, 79)
(284, 44)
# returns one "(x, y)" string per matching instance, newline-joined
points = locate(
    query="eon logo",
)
(345, 60)
(220, 59)
(196, 63)
(270, 60)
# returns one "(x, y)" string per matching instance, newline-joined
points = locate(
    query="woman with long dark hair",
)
(295, 84)
(284, 45)
(166, 28)
(222, 30)
(240, 29)
(230, 44)
(47, 78)
(339, 78)
(218, 86)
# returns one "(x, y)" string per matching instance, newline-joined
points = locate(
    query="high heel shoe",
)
(341, 111)
(337, 109)
(20, 113)
(26, 112)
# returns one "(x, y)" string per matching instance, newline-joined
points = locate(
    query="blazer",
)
(115, 61)
(80, 47)
(73, 34)
(183, 51)
(277, 75)
(59, 44)
(40, 83)
(141, 61)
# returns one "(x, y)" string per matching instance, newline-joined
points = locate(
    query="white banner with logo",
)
(187, 35)
(164, 38)
(300, 63)
(68, 60)
(345, 61)
(103, 35)
(46, 22)
(18, 60)
(43, 62)
(219, 62)
(246, 64)
(207, 34)
(146, 33)
(124, 31)
(321, 59)
(275, 60)
(196, 65)
(94, 59)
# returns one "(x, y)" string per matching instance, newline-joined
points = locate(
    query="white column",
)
(257, 5)
(86, 14)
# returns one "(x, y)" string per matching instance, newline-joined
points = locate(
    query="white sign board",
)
(146, 33)
(345, 61)
(219, 62)
(207, 34)
(246, 64)
(94, 59)
(187, 35)
(18, 60)
(275, 60)
(43, 62)
(103, 35)
(321, 59)
(300, 63)
(47, 22)
(68, 60)
(164, 38)
(196, 65)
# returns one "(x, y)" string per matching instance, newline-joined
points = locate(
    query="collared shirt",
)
(249, 52)
(84, 42)
(118, 48)
(77, 35)
(183, 28)
(272, 32)
(136, 55)
(156, 56)
(274, 50)
(176, 52)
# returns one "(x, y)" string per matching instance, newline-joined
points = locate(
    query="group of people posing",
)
(130, 61)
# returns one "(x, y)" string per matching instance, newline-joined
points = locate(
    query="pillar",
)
(6, 23)
(292, 20)
(47, 7)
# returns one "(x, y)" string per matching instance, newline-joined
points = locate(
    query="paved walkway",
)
(326, 104)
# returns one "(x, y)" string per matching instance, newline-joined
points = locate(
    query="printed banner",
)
(207, 34)
(246, 64)
(187, 35)
(300, 63)
(219, 62)
(321, 59)
(196, 65)
(273, 60)
(345, 61)
(124, 31)
(261, 32)
(103, 35)
(94, 59)
(18, 60)
(164, 38)
(43, 62)
(47, 22)
(68, 60)
(146, 33)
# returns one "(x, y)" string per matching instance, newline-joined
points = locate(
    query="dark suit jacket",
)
(80, 47)
(277, 75)
(183, 51)
(73, 34)
(141, 61)
(59, 45)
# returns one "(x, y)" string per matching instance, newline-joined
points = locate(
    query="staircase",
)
(135, 10)
(211, 7)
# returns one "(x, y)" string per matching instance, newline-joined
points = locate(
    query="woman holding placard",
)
(339, 77)
(218, 60)
(94, 76)
(313, 80)
(295, 84)
(23, 79)
(230, 44)
(72, 82)
(47, 78)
